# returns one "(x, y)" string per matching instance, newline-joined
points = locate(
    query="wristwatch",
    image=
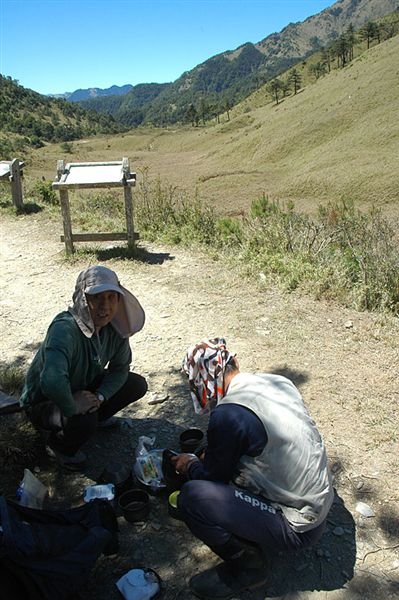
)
(100, 397)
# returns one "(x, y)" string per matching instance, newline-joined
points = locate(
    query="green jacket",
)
(69, 361)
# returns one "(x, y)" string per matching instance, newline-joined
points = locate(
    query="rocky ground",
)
(344, 362)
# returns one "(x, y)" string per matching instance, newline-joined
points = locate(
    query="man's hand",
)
(85, 402)
(181, 462)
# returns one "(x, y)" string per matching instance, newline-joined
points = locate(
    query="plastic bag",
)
(148, 464)
(31, 491)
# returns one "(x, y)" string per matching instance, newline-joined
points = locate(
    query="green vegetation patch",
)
(342, 253)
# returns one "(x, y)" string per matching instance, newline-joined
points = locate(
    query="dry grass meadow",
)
(336, 139)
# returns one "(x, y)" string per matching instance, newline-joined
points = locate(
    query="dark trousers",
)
(217, 514)
(68, 434)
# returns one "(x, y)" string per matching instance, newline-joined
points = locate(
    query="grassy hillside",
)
(337, 138)
(30, 119)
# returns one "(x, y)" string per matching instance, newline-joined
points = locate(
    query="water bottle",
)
(19, 491)
(104, 491)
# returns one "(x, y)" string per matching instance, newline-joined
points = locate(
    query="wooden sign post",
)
(91, 176)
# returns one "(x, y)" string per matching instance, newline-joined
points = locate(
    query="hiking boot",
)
(108, 423)
(73, 463)
(246, 570)
(225, 581)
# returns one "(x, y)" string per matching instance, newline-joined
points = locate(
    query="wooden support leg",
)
(16, 184)
(129, 217)
(66, 221)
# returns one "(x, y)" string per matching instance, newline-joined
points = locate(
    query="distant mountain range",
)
(81, 95)
(230, 76)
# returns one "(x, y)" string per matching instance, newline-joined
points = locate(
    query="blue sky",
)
(55, 46)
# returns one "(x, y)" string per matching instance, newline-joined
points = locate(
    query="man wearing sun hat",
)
(80, 376)
(263, 484)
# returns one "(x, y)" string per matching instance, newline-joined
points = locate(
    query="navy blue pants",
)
(215, 512)
(68, 434)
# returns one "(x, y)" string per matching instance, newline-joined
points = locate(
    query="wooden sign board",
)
(95, 175)
(10, 172)
(92, 175)
(5, 168)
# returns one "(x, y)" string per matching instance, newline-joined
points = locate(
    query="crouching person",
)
(80, 375)
(262, 484)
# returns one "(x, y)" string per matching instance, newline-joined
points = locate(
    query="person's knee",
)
(138, 384)
(194, 495)
(185, 497)
(188, 501)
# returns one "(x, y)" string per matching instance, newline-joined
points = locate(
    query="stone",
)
(364, 509)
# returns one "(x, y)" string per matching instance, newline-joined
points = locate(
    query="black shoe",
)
(110, 423)
(226, 580)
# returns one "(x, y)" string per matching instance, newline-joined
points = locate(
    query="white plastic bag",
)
(148, 464)
(32, 491)
(139, 584)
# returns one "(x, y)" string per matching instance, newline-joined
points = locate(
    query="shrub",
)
(341, 253)
(43, 191)
(165, 212)
(230, 231)
(366, 246)
(36, 142)
(102, 211)
(67, 147)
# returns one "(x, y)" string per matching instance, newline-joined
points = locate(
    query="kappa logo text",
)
(255, 502)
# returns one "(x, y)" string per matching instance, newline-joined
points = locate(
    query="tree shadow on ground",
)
(139, 254)
(388, 521)
(12, 377)
(297, 377)
(105, 449)
(20, 447)
(168, 546)
(29, 208)
(368, 491)
(26, 209)
(17, 367)
(18, 363)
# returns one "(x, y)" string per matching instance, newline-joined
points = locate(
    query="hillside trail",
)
(344, 363)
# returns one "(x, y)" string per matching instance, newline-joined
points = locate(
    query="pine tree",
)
(295, 80)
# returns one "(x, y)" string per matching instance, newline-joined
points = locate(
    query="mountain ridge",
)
(95, 92)
(232, 75)
(29, 118)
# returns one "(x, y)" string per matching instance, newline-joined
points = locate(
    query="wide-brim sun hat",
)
(130, 316)
(100, 279)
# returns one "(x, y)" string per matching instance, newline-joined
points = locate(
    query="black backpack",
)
(48, 554)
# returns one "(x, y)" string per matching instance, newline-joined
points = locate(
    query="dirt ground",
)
(344, 362)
